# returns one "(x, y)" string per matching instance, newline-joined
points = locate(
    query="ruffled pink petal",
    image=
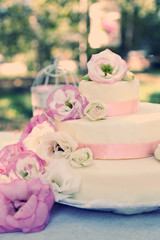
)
(34, 186)
(41, 215)
(27, 224)
(28, 208)
(14, 190)
(46, 195)
(8, 154)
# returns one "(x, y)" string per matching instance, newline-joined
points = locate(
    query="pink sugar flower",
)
(106, 67)
(66, 103)
(25, 206)
(7, 155)
(26, 165)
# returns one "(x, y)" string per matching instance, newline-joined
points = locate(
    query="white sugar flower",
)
(66, 142)
(81, 157)
(95, 110)
(56, 145)
(157, 153)
(35, 137)
(129, 76)
(62, 181)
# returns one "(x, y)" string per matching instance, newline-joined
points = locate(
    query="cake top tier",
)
(107, 90)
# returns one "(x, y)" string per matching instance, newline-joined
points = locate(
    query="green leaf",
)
(86, 77)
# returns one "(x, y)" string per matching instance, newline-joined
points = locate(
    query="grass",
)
(15, 110)
(150, 92)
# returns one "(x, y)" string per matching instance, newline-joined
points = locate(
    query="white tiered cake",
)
(123, 143)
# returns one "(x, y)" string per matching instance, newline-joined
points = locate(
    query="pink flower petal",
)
(47, 195)
(34, 186)
(20, 190)
(28, 208)
(41, 215)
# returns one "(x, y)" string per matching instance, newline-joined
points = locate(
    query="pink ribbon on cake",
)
(121, 151)
(122, 108)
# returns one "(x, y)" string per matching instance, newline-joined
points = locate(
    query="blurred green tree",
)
(47, 27)
(139, 25)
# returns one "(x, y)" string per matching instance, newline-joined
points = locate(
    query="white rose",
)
(66, 142)
(96, 109)
(157, 153)
(81, 157)
(129, 76)
(56, 145)
(61, 179)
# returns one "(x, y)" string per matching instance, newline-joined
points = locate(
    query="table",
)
(69, 223)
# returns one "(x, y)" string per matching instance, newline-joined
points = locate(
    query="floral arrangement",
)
(35, 172)
(107, 67)
(67, 103)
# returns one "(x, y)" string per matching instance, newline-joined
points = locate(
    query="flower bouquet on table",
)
(36, 171)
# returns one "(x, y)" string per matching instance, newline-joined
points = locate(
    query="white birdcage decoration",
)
(47, 80)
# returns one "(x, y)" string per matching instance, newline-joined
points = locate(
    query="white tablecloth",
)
(69, 223)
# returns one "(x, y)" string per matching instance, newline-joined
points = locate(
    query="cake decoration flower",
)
(157, 152)
(129, 76)
(95, 110)
(81, 157)
(35, 130)
(27, 165)
(57, 145)
(25, 206)
(66, 103)
(37, 120)
(7, 155)
(66, 143)
(62, 181)
(106, 67)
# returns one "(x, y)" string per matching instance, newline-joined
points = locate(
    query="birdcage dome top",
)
(46, 81)
(55, 74)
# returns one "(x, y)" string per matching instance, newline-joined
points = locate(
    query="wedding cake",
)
(95, 142)
(121, 132)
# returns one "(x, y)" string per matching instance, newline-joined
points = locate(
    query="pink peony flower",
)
(7, 155)
(66, 103)
(26, 165)
(106, 67)
(25, 206)
(36, 120)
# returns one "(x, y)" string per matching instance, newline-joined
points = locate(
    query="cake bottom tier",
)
(126, 181)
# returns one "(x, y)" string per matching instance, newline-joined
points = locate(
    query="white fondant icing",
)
(141, 127)
(125, 181)
(116, 92)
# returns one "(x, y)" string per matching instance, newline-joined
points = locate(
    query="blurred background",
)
(33, 33)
